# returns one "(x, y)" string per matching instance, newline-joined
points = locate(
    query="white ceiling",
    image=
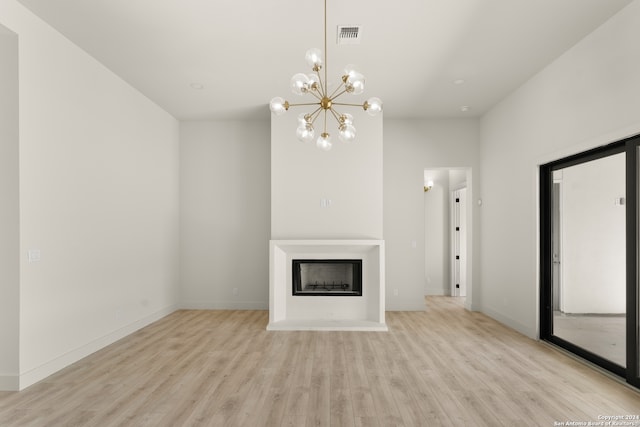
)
(244, 52)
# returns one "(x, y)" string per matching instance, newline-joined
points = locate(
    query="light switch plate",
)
(33, 255)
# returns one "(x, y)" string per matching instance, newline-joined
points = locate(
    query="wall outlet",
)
(236, 291)
(395, 292)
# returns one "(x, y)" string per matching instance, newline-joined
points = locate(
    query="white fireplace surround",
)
(326, 313)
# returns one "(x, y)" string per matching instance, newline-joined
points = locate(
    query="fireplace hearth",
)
(327, 277)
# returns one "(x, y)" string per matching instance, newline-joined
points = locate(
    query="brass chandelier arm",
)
(334, 96)
(315, 115)
(299, 105)
(341, 93)
(336, 115)
(319, 97)
(321, 86)
(325, 121)
(349, 105)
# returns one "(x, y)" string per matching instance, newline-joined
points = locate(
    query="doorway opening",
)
(448, 225)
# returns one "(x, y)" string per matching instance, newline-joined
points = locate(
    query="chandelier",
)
(351, 82)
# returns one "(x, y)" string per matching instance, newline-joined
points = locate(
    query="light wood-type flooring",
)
(444, 366)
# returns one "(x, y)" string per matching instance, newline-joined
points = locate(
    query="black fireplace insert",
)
(334, 277)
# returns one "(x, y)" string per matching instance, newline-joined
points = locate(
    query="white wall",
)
(98, 197)
(593, 237)
(225, 216)
(410, 147)
(9, 212)
(457, 179)
(350, 175)
(587, 97)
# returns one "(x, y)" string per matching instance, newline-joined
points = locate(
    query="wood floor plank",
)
(268, 395)
(298, 397)
(340, 402)
(319, 409)
(380, 378)
(360, 389)
(444, 366)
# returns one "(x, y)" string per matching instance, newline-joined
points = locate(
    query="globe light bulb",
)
(355, 83)
(305, 132)
(350, 70)
(300, 84)
(314, 81)
(304, 119)
(347, 133)
(324, 142)
(347, 119)
(314, 58)
(278, 106)
(373, 106)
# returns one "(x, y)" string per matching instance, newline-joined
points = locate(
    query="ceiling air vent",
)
(349, 34)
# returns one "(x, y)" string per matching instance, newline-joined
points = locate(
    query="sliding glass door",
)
(633, 261)
(588, 255)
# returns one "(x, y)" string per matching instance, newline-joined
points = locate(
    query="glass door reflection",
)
(588, 256)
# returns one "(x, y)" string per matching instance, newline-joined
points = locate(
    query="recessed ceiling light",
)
(197, 86)
(458, 82)
(465, 108)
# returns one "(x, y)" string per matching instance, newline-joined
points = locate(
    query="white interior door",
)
(459, 243)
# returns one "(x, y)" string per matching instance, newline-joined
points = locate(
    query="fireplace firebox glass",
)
(335, 277)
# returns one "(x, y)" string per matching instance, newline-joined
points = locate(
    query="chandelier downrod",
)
(326, 56)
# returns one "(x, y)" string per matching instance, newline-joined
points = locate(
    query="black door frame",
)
(630, 146)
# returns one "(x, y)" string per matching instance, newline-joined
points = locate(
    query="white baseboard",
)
(225, 305)
(328, 325)
(529, 331)
(417, 305)
(469, 305)
(41, 372)
(437, 292)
